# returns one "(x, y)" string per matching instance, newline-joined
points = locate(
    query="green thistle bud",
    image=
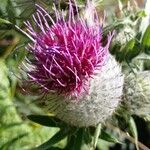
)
(137, 93)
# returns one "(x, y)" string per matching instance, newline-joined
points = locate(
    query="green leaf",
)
(141, 13)
(45, 120)
(11, 11)
(87, 136)
(115, 48)
(133, 130)
(55, 139)
(9, 143)
(27, 8)
(129, 51)
(120, 56)
(132, 127)
(78, 140)
(27, 12)
(108, 137)
(4, 127)
(5, 25)
(128, 48)
(134, 51)
(3, 21)
(147, 118)
(70, 142)
(146, 41)
(55, 148)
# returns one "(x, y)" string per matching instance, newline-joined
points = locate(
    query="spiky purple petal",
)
(67, 53)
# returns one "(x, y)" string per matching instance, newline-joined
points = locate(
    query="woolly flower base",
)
(137, 93)
(105, 91)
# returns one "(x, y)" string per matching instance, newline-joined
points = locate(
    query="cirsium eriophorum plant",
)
(73, 68)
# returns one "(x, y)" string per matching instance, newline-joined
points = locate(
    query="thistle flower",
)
(137, 93)
(81, 80)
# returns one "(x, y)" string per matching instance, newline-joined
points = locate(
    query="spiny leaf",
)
(108, 137)
(146, 41)
(55, 139)
(44, 120)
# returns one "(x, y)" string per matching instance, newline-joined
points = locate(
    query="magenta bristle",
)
(67, 53)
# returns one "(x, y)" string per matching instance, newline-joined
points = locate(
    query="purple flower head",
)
(67, 51)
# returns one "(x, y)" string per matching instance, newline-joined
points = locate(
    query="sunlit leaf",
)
(141, 13)
(9, 143)
(146, 40)
(55, 139)
(4, 127)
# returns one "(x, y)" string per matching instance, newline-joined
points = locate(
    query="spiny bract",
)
(137, 93)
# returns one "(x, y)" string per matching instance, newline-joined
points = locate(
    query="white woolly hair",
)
(105, 92)
(137, 93)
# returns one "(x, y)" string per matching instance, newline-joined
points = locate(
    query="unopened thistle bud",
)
(137, 93)
(81, 80)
